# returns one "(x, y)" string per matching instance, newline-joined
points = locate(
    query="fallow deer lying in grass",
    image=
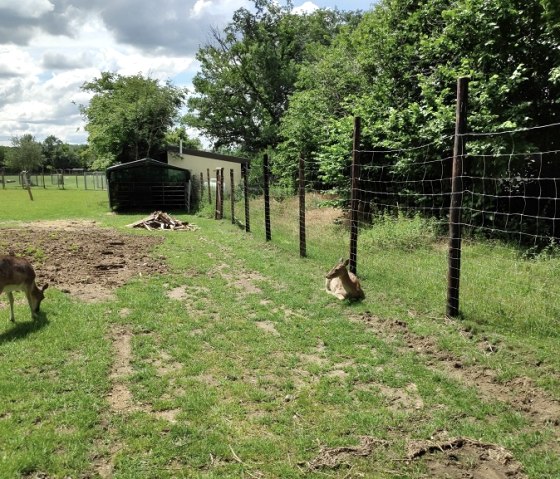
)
(17, 274)
(343, 284)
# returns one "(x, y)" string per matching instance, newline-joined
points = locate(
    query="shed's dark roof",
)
(144, 162)
(209, 154)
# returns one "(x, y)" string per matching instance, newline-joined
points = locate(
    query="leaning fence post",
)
(454, 259)
(354, 201)
(266, 198)
(201, 189)
(245, 172)
(302, 243)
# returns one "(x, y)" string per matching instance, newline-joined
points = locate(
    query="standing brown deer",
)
(17, 274)
(343, 284)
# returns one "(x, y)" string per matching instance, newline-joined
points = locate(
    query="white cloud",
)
(49, 48)
(15, 62)
(307, 7)
(199, 7)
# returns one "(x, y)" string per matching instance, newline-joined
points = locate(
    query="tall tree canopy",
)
(398, 70)
(249, 70)
(129, 116)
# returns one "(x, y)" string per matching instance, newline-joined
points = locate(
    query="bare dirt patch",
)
(463, 457)
(458, 458)
(81, 258)
(268, 326)
(334, 457)
(120, 397)
(402, 399)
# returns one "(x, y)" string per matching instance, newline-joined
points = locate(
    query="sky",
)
(49, 48)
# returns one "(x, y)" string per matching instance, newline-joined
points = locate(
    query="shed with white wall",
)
(199, 161)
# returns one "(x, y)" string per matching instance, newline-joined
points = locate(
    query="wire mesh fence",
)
(503, 243)
(61, 179)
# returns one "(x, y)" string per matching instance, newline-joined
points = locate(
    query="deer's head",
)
(37, 295)
(338, 269)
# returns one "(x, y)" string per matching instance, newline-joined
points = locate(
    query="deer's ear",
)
(346, 263)
(45, 287)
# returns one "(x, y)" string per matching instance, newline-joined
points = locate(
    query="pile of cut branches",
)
(159, 220)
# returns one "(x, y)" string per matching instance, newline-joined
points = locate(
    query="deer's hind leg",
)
(11, 299)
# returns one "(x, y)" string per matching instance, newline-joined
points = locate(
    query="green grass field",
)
(237, 364)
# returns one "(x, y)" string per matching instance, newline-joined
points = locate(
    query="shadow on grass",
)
(22, 330)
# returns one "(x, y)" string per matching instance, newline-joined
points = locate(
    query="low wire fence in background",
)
(61, 179)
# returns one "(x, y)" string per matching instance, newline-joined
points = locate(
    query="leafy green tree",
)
(403, 61)
(25, 154)
(129, 116)
(3, 153)
(179, 134)
(325, 85)
(249, 71)
(59, 155)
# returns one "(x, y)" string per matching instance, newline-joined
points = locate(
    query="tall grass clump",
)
(405, 233)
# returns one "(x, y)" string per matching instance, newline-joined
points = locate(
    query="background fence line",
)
(87, 180)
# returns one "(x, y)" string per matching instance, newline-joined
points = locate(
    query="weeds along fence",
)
(60, 179)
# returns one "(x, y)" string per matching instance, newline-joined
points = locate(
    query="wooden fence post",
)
(302, 242)
(201, 189)
(209, 191)
(245, 172)
(217, 210)
(354, 200)
(454, 259)
(222, 182)
(266, 198)
(232, 193)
